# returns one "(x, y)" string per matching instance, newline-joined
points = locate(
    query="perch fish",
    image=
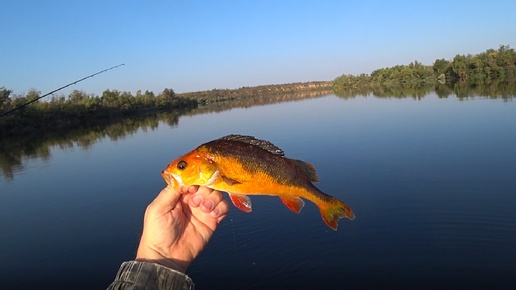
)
(243, 165)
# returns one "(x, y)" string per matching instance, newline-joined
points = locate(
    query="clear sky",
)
(193, 45)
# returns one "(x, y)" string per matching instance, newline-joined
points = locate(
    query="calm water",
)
(432, 182)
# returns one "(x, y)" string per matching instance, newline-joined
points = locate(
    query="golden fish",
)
(242, 165)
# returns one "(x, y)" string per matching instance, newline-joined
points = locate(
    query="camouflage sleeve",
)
(143, 275)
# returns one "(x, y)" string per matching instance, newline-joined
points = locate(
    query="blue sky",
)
(202, 45)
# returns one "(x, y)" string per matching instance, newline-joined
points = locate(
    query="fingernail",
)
(215, 212)
(208, 204)
(196, 200)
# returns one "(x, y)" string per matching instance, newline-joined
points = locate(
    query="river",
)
(431, 180)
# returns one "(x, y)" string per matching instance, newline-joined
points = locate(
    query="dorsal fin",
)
(307, 169)
(264, 144)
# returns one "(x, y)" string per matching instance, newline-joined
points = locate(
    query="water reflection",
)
(492, 90)
(259, 101)
(14, 151)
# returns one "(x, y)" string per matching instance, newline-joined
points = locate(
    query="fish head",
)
(191, 169)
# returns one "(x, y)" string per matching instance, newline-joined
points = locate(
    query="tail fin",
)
(335, 210)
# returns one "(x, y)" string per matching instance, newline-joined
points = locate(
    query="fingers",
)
(191, 189)
(208, 200)
(220, 211)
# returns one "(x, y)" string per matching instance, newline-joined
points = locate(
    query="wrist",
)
(146, 254)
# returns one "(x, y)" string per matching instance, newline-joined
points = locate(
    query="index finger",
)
(189, 189)
(166, 200)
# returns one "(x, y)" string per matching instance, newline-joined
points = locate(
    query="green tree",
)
(110, 99)
(166, 98)
(33, 94)
(145, 100)
(459, 67)
(4, 97)
(77, 97)
(441, 66)
(92, 104)
(127, 102)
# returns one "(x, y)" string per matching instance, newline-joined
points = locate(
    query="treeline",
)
(483, 68)
(79, 108)
(219, 95)
(229, 104)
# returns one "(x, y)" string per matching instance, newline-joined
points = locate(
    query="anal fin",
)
(243, 202)
(294, 203)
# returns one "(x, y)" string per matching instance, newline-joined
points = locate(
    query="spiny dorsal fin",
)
(307, 168)
(264, 144)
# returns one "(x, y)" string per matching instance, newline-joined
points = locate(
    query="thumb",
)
(166, 200)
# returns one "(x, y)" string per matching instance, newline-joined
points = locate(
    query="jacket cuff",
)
(145, 275)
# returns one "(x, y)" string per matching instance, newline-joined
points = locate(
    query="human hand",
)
(178, 224)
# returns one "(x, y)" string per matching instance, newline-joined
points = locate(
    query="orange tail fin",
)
(335, 210)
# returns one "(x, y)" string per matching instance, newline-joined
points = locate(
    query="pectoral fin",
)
(229, 181)
(294, 203)
(241, 201)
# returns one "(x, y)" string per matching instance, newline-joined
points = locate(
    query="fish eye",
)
(182, 165)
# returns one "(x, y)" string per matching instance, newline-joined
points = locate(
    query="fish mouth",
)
(172, 179)
(176, 181)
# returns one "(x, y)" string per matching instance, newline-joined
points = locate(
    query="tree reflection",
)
(461, 90)
(14, 151)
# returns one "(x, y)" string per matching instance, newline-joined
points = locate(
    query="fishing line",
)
(52, 92)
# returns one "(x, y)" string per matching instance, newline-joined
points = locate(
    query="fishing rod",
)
(72, 83)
